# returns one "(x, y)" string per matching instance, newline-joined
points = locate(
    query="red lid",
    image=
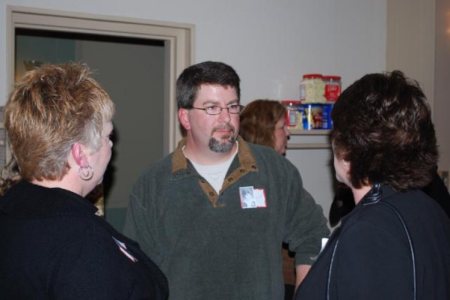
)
(331, 77)
(312, 76)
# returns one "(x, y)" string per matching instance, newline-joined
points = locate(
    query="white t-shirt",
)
(214, 174)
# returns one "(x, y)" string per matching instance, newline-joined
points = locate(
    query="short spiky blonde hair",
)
(50, 109)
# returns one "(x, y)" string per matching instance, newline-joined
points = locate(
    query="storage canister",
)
(293, 114)
(327, 122)
(332, 87)
(312, 116)
(312, 88)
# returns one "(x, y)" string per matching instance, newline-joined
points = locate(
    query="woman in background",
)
(263, 122)
(395, 243)
(54, 246)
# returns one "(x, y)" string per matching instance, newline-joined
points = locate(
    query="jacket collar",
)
(247, 161)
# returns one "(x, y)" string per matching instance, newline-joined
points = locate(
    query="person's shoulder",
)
(261, 149)
(372, 227)
(91, 235)
(383, 217)
(416, 204)
(157, 174)
(267, 158)
(76, 226)
(368, 218)
(102, 255)
(59, 232)
(157, 167)
(266, 154)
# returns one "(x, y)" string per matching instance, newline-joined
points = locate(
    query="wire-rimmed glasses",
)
(216, 110)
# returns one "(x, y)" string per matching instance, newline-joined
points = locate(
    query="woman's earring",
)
(86, 173)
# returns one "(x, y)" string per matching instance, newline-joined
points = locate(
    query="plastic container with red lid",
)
(332, 89)
(312, 88)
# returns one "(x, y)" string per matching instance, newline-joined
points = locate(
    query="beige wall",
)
(442, 81)
(410, 40)
(133, 75)
(418, 43)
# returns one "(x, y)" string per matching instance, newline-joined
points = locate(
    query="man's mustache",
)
(226, 127)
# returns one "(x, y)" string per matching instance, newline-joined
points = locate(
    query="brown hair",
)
(50, 109)
(208, 72)
(258, 120)
(382, 125)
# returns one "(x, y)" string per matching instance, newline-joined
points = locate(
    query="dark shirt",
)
(439, 192)
(55, 247)
(369, 255)
(343, 201)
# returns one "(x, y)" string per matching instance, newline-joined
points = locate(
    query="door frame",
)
(178, 40)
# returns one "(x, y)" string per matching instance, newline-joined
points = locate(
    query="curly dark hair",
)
(208, 72)
(258, 120)
(382, 125)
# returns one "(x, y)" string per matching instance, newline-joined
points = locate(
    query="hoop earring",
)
(86, 173)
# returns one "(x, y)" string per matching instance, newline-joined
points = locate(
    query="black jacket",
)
(343, 201)
(53, 246)
(369, 255)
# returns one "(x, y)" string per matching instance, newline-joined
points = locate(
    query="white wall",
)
(271, 43)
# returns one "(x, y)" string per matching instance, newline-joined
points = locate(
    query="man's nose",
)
(225, 113)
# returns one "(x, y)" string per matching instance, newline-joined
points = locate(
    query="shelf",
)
(308, 139)
(308, 146)
(309, 132)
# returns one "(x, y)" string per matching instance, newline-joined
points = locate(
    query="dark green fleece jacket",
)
(209, 245)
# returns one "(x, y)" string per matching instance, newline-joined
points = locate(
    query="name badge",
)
(252, 198)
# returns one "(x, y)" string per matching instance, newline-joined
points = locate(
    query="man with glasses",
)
(214, 213)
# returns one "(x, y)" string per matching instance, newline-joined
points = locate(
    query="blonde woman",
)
(54, 246)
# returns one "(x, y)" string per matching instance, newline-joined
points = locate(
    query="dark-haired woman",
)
(395, 243)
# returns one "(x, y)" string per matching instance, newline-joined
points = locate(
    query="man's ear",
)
(183, 117)
(78, 153)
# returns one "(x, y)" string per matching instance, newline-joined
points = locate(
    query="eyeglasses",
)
(216, 110)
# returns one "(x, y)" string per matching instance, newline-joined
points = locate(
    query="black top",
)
(439, 192)
(343, 201)
(53, 246)
(369, 255)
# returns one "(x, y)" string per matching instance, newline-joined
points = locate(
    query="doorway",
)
(138, 68)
